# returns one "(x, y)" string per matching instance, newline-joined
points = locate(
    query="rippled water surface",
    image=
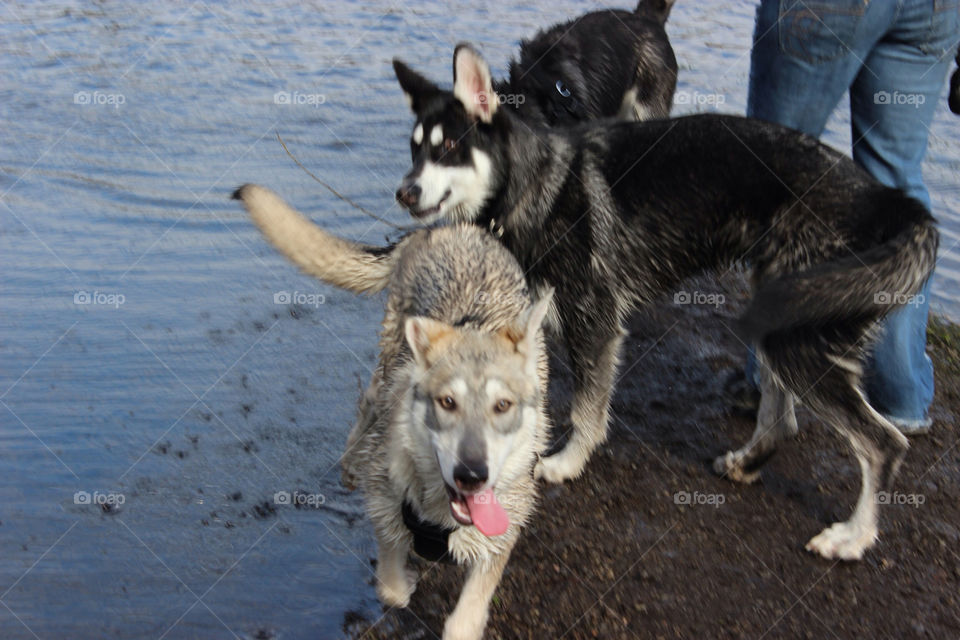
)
(147, 352)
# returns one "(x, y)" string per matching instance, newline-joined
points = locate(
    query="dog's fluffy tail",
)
(659, 10)
(864, 286)
(348, 265)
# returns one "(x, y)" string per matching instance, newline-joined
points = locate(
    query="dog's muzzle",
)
(409, 194)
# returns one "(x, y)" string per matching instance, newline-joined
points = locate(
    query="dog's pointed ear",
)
(537, 314)
(524, 333)
(424, 335)
(472, 85)
(416, 88)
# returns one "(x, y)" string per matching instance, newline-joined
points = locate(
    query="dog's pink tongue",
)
(487, 514)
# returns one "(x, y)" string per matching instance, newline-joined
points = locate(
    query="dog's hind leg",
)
(823, 368)
(879, 448)
(469, 617)
(594, 367)
(776, 421)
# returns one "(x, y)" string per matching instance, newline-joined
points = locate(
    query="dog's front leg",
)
(395, 583)
(469, 617)
(594, 354)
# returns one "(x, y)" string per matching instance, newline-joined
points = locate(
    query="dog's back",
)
(459, 275)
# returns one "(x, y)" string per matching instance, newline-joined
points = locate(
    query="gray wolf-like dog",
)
(454, 420)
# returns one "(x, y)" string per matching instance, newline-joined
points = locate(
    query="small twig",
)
(340, 195)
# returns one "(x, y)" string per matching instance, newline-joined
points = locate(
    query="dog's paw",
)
(545, 470)
(843, 541)
(557, 468)
(464, 626)
(395, 590)
(730, 465)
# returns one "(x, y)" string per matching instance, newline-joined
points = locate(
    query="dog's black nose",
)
(470, 475)
(408, 195)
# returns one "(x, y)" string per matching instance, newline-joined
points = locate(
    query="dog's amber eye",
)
(447, 403)
(502, 406)
(449, 145)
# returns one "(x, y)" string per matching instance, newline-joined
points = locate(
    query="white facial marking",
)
(436, 135)
(418, 134)
(468, 187)
(495, 390)
(459, 387)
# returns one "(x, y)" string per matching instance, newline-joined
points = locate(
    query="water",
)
(144, 357)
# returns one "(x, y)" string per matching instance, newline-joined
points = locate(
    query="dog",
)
(604, 64)
(615, 214)
(455, 419)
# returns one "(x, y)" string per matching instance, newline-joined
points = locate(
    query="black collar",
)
(429, 539)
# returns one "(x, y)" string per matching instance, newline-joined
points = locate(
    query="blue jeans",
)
(892, 56)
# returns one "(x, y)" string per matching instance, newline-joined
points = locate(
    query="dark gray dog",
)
(614, 215)
(605, 64)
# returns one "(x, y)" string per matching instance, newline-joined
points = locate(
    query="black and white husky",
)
(614, 215)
